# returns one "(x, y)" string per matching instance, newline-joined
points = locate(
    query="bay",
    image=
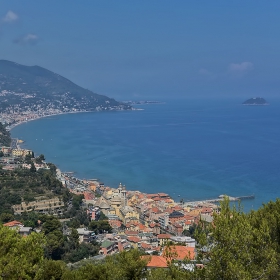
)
(190, 149)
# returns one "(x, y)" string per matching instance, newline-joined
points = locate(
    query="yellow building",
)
(195, 212)
(48, 206)
(21, 152)
(116, 203)
(127, 213)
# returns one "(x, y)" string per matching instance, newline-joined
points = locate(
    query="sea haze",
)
(190, 149)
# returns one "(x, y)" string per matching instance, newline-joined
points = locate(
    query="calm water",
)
(195, 149)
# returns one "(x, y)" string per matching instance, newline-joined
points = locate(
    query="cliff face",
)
(255, 101)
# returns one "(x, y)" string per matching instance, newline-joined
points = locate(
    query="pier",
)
(246, 197)
(220, 198)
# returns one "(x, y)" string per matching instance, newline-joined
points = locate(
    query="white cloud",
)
(30, 39)
(241, 67)
(10, 17)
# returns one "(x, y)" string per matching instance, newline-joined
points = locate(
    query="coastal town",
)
(138, 220)
(139, 140)
(16, 116)
(146, 221)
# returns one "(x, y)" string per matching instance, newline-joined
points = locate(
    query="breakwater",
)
(220, 198)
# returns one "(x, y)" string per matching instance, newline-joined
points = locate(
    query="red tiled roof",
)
(115, 223)
(13, 224)
(180, 252)
(133, 239)
(88, 195)
(145, 246)
(163, 194)
(155, 210)
(177, 208)
(188, 217)
(163, 236)
(141, 227)
(152, 195)
(156, 261)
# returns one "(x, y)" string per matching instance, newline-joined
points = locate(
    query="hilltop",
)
(35, 88)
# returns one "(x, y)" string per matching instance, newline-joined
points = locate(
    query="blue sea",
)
(191, 149)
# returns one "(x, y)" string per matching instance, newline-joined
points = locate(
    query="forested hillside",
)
(25, 185)
(34, 88)
(5, 137)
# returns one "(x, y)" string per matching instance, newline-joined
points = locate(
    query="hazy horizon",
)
(149, 49)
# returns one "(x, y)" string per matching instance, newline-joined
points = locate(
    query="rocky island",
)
(255, 101)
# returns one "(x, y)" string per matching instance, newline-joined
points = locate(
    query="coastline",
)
(10, 127)
(177, 200)
(66, 173)
(186, 193)
(18, 144)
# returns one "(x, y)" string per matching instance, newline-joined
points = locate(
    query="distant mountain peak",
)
(38, 88)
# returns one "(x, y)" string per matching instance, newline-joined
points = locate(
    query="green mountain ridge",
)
(38, 88)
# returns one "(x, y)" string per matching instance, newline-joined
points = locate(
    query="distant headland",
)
(35, 90)
(255, 101)
(142, 102)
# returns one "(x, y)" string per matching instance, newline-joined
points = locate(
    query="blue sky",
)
(149, 49)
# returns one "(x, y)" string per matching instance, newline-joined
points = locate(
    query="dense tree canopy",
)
(20, 258)
(40, 159)
(100, 226)
(5, 137)
(239, 246)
